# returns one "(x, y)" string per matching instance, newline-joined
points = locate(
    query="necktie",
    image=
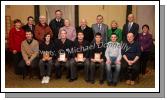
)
(99, 26)
(129, 26)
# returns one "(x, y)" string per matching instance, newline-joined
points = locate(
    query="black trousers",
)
(16, 59)
(143, 62)
(129, 72)
(32, 69)
(93, 70)
(74, 66)
(58, 68)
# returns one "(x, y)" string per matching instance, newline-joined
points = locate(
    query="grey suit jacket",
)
(103, 31)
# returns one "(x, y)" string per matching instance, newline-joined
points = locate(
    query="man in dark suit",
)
(88, 32)
(131, 26)
(100, 27)
(30, 25)
(56, 23)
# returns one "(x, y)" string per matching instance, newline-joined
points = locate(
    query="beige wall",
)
(145, 14)
(19, 11)
(68, 12)
(109, 12)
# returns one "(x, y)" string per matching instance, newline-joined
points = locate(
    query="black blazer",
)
(134, 29)
(88, 33)
(26, 27)
(55, 26)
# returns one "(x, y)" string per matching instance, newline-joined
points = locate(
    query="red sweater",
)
(15, 39)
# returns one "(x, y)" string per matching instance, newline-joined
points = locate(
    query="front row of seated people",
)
(112, 59)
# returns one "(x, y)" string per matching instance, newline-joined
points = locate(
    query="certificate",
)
(62, 56)
(46, 55)
(97, 56)
(80, 57)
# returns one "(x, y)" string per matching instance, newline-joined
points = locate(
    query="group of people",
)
(60, 46)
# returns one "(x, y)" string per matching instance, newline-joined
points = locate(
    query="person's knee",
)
(108, 67)
(118, 67)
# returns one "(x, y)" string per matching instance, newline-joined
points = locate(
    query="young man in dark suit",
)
(30, 25)
(131, 26)
(56, 23)
(97, 56)
(81, 57)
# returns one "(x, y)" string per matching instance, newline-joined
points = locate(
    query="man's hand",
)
(101, 60)
(28, 63)
(14, 51)
(108, 62)
(129, 62)
(43, 59)
(49, 58)
(117, 62)
(142, 49)
(93, 60)
(76, 59)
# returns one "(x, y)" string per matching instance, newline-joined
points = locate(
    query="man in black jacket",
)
(81, 48)
(30, 25)
(88, 32)
(97, 55)
(63, 53)
(56, 23)
(131, 26)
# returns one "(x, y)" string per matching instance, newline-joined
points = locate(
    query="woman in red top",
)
(16, 36)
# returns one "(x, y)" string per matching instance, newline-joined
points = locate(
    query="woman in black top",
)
(46, 54)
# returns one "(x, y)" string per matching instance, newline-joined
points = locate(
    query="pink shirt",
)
(71, 32)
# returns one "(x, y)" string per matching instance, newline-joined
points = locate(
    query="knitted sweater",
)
(29, 51)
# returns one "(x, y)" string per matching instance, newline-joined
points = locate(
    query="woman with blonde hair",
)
(71, 31)
(114, 29)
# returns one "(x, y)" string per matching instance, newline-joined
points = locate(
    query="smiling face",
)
(42, 19)
(130, 37)
(113, 38)
(66, 22)
(80, 36)
(30, 21)
(29, 35)
(58, 14)
(18, 25)
(63, 34)
(83, 23)
(130, 17)
(99, 19)
(114, 24)
(98, 38)
(145, 29)
(47, 38)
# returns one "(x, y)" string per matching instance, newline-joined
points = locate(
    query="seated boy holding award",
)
(46, 53)
(97, 59)
(63, 57)
(81, 56)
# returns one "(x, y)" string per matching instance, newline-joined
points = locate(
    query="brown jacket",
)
(40, 31)
(29, 51)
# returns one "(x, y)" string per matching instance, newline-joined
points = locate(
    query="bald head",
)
(42, 19)
(130, 37)
(83, 22)
(130, 17)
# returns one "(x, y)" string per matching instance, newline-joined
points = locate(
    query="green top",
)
(118, 32)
